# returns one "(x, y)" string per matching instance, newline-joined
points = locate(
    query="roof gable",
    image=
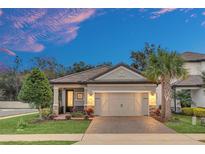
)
(120, 73)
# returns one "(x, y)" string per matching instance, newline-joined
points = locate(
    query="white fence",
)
(13, 105)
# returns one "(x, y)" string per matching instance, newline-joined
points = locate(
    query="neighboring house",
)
(110, 91)
(195, 65)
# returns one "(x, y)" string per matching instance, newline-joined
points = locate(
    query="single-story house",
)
(111, 91)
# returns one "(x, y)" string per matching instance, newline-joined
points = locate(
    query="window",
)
(79, 96)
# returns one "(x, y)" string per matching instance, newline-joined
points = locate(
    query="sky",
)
(96, 35)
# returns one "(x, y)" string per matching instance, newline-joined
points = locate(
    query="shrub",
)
(77, 114)
(52, 116)
(86, 117)
(21, 124)
(68, 117)
(199, 112)
(89, 111)
(187, 111)
(46, 112)
(157, 112)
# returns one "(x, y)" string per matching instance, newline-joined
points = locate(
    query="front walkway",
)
(127, 125)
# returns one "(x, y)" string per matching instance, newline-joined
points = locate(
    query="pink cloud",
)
(160, 12)
(29, 29)
(82, 16)
(7, 51)
(27, 17)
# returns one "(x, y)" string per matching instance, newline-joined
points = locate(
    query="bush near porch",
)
(183, 124)
(199, 112)
(28, 125)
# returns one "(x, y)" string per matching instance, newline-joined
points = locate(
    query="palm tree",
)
(164, 67)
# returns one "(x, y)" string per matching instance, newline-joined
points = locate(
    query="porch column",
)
(55, 100)
(64, 100)
(85, 98)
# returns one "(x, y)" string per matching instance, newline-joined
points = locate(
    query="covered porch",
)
(68, 98)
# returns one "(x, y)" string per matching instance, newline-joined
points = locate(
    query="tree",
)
(140, 58)
(78, 67)
(108, 63)
(49, 66)
(163, 67)
(184, 96)
(36, 90)
(10, 80)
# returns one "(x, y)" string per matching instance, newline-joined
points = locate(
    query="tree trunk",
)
(168, 97)
(162, 100)
(40, 113)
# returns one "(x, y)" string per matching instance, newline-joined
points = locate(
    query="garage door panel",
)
(118, 104)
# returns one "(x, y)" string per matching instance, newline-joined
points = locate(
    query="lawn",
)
(9, 126)
(37, 143)
(184, 124)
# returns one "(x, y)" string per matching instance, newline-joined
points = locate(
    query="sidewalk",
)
(42, 137)
(17, 115)
(112, 139)
(140, 139)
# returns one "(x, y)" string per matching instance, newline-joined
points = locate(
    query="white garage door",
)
(120, 104)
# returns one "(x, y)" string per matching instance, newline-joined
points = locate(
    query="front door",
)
(69, 100)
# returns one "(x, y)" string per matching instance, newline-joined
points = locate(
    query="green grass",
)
(184, 125)
(37, 143)
(9, 126)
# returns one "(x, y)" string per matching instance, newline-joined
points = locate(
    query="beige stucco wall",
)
(195, 68)
(198, 96)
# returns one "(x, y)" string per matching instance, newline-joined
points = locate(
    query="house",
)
(123, 91)
(110, 91)
(195, 65)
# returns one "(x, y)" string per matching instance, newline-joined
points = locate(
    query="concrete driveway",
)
(126, 125)
(10, 112)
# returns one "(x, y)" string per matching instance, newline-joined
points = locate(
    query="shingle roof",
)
(81, 76)
(90, 75)
(193, 57)
(191, 80)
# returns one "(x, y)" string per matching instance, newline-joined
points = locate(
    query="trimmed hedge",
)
(199, 112)
(188, 111)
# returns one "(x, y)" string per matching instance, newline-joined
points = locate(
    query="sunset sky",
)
(96, 35)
